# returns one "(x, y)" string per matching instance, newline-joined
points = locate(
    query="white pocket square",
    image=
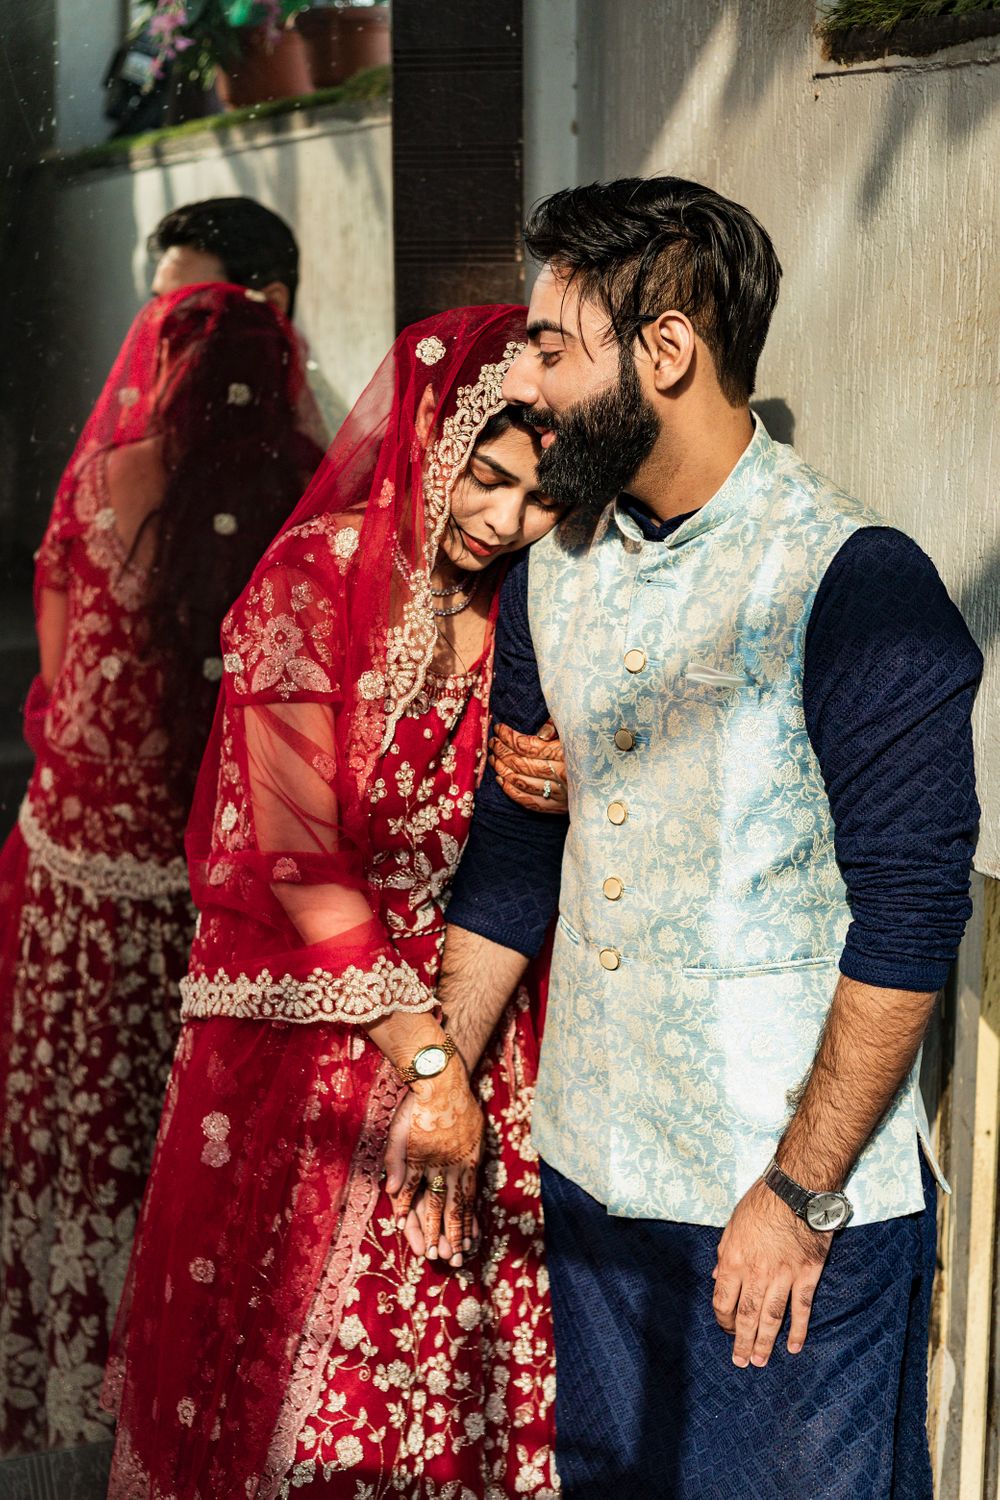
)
(712, 677)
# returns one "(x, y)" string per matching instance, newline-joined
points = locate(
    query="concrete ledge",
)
(917, 38)
(243, 130)
(932, 43)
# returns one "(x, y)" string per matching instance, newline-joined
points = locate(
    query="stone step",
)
(59, 1474)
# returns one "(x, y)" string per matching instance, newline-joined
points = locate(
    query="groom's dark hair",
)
(642, 245)
(254, 245)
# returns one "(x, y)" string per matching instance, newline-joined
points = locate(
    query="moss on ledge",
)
(884, 14)
(853, 31)
(373, 85)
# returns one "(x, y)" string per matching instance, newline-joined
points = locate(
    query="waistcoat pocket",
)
(713, 677)
(729, 688)
(570, 932)
(773, 966)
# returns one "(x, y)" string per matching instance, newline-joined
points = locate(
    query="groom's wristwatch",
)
(429, 1061)
(823, 1212)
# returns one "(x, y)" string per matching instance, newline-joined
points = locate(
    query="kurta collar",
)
(753, 468)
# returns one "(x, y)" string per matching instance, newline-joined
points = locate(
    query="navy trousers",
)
(650, 1405)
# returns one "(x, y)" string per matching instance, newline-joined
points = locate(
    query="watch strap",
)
(786, 1188)
(446, 1045)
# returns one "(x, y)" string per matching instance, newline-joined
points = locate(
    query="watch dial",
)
(430, 1062)
(826, 1211)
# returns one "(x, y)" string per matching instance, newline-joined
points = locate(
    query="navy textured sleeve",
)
(507, 885)
(889, 680)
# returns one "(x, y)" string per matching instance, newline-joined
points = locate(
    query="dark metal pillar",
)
(457, 154)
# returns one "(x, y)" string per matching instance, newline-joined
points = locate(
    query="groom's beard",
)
(601, 443)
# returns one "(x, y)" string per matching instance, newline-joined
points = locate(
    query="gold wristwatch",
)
(429, 1061)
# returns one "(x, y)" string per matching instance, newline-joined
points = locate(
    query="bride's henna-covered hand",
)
(445, 1130)
(526, 763)
(417, 1229)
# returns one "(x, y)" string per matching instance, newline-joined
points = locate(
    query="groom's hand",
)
(767, 1256)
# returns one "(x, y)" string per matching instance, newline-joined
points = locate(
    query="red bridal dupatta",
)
(302, 938)
(211, 331)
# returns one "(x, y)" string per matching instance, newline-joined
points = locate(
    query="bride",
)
(278, 1332)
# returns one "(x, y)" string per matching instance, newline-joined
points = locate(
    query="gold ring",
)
(437, 1187)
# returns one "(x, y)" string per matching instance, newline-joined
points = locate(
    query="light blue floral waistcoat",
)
(702, 912)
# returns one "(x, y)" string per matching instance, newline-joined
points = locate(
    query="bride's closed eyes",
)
(496, 477)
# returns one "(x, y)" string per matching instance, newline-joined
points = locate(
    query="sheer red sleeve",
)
(283, 852)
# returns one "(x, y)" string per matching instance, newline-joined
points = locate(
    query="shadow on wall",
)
(979, 600)
(777, 416)
(663, 80)
(290, 199)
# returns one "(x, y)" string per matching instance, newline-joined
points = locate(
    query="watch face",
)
(826, 1211)
(430, 1061)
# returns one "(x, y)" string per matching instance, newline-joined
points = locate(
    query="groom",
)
(763, 694)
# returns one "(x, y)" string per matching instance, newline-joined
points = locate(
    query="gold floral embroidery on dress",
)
(371, 685)
(102, 874)
(356, 996)
(344, 544)
(280, 644)
(126, 578)
(215, 1128)
(277, 641)
(430, 350)
(269, 657)
(68, 1234)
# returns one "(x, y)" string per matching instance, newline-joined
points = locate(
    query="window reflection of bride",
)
(187, 467)
(278, 1334)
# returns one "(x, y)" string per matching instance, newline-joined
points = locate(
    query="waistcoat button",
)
(617, 812)
(613, 888)
(625, 739)
(610, 958)
(635, 660)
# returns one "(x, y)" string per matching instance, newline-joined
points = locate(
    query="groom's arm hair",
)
(477, 979)
(890, 674)
(507, 885)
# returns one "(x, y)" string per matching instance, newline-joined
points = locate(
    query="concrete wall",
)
(87, 36)
(82, 269)
(880, 188)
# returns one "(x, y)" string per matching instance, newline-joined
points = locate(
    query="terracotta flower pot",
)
(320, 29)
(364, 38)
(267, 70)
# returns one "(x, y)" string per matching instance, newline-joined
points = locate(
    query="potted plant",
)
(344, 38)
(319, 26)
(245, 46)
(365, 41)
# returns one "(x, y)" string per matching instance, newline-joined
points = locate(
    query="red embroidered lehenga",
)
(277, 1333)
(97, 924)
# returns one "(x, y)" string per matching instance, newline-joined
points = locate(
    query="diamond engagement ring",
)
(547, 790)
